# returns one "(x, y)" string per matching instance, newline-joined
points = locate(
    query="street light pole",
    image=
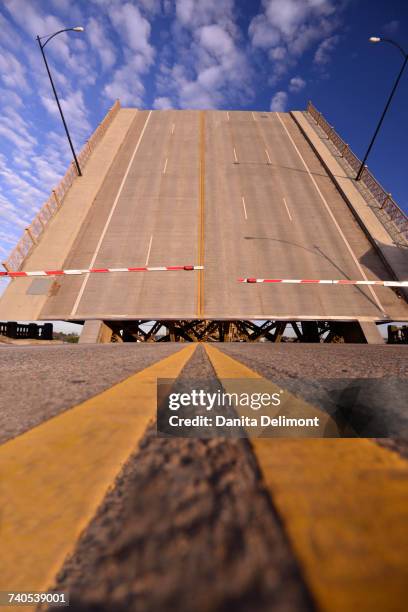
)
(376, 39)
(42, 45)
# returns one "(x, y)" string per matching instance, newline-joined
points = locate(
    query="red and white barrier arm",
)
(313, 281)
(12, 274)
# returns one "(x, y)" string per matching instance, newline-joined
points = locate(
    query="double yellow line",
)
(344, 506)
(200, 285)
(54, 476)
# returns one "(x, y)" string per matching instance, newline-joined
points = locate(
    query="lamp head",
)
(375, 39)
(78, 29)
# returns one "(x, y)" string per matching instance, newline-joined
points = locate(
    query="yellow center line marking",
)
(344, 504)
(54, 476)
(292, 406)
(165, 165)
(235, 156)
(200, 287)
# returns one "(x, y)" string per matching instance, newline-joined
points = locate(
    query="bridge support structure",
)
(199, 330)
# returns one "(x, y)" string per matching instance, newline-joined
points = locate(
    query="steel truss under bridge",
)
(235, 331)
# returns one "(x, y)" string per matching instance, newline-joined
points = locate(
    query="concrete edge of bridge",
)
(95, 332)
(17, 302)
(394, 259)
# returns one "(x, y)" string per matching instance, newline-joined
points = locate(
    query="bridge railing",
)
(384, 199)
(34, 231)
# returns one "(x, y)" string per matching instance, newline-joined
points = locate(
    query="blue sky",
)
(269, 54)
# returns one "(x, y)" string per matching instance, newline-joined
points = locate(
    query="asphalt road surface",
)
(189, 524)
(177, 533)
(193, 524)
(240, 192)
(38, 382)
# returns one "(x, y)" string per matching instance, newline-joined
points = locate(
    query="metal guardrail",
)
(384, 199)
(15, 330)
(34, 231)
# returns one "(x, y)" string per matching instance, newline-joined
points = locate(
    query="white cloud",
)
(287, 28)
(70, 10)
(34, 23)
(9, 36)
(134, 29)
(211, 68)
(22, 191)
(11, 98)
(75, 112)
(277, 53)
(30, 18)
(151, 6)
(278, 102)
(21, 203)
(211, 78)
(262, 34)
(322, 55)
(62, 5)
(167, 6)
(75, 109)
(190, 93)
(12, 219)
(126, 85)
(195, 13)
(185, 11)
(216, 40)
(16, 129)
(193, 95)
(296, 84)
(12, 215)
(12, 72)
(47, 172)
(162, 103)
(391, 27)
(100, 41)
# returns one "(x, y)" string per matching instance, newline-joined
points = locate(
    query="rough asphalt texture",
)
(188, 527)
(39, 382)
(369, 383)
(313, 362)
(321, 360)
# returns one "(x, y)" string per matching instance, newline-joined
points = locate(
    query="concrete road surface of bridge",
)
(241, 193)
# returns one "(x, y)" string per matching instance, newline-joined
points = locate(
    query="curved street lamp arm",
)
(392, 42)
(52, 36)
